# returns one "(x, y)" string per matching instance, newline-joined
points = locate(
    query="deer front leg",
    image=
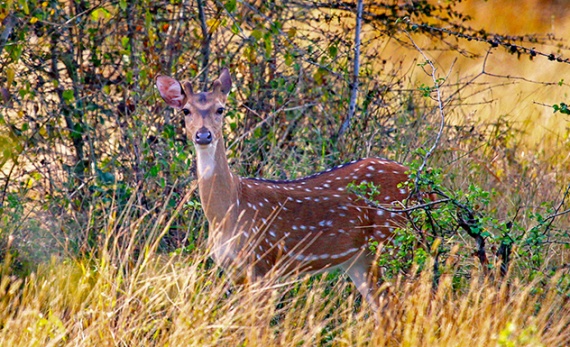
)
(364, 274)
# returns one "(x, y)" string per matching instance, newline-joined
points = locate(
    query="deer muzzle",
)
(203, 136)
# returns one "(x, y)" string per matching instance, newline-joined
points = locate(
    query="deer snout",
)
(203, 136)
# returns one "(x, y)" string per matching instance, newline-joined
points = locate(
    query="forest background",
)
(102, 238)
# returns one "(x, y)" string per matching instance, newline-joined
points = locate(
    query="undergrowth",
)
(102, 238)
(120, 298)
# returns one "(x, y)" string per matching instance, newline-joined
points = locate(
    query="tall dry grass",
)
(129, 296)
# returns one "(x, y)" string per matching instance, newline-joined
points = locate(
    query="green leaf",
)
(15, 51)
(105, 177)
(125, 42)
(562, 108)
(24, 4)
(257, 34)
(153, 172)
(91, 106)
(67, 96)
(123, 4)
(333, 51)
(235, 29)
(230, 5)
(100, 13)
(288, 59)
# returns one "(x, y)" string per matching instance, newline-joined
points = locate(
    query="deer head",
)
(203, 111)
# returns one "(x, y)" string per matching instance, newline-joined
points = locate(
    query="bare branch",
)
(205, 41)
(557, 211)
(403, 210)
(354, 87)
(437, 85)
(8, 23)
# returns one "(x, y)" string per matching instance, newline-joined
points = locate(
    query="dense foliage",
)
(95, 168)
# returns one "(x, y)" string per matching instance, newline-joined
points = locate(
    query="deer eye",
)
(186, 111)
(220, 110)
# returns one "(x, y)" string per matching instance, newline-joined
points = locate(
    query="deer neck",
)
(218, 187)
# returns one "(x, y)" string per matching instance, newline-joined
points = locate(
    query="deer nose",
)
(203, 136)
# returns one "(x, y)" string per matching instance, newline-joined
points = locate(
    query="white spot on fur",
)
(344, 254)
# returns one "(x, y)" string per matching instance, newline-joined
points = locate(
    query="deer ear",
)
(224, 83)
(188, 88)
(171, 91)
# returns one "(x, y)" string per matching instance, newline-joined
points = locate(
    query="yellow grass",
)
(182, 300)
(116, 299)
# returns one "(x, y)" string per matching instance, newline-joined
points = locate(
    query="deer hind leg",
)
(363, 272)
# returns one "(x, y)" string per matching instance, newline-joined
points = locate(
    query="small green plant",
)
(562, 108)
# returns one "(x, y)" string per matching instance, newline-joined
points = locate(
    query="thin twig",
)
(437, 85)
(354, 87)
(403, 210)
(269, 117)
(556, 213)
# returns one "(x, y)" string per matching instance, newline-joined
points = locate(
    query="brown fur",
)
(306, 225)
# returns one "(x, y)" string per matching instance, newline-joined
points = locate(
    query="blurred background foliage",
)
(86, 140)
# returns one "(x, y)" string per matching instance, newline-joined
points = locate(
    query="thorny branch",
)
(437, 84)
(557, 213)
(376, 205)
(379, 13)
(466, 217)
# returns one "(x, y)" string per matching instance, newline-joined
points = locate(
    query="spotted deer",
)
(308, 225)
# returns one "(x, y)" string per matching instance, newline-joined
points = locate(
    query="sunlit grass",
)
(128, 293)
(174, 300)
